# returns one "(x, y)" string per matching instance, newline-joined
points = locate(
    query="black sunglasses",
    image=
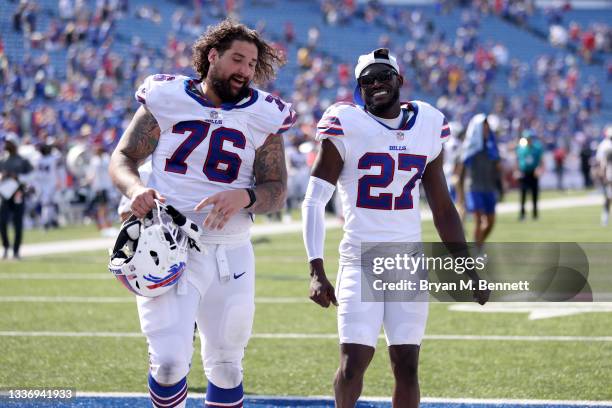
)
(383, 76)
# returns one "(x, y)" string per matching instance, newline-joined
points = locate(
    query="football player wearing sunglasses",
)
(378, 151)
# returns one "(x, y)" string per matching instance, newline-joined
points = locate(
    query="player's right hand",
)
(143, 201)
(321, 291)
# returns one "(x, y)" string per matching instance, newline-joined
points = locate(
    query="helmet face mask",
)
(150, 255)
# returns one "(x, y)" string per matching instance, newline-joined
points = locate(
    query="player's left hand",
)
(225, 205)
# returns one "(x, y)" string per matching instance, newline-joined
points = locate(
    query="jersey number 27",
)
(386, 201)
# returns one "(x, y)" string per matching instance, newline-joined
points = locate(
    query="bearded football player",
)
(217, 157)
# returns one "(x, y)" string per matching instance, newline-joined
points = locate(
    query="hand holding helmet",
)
(150, 254)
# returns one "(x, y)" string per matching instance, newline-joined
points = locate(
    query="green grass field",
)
(548, 369)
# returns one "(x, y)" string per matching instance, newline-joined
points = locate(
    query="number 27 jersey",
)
(383, 167)
(205, 149)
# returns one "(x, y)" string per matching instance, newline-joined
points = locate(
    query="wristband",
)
(252, 197)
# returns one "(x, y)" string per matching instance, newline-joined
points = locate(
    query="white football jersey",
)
(604, 158)
(98, 173)
(47, 172)
(205, 149)
(379, 183)
(144, 170)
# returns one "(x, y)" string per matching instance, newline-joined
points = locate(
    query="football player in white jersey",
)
(124, 208)
(377, 154)
(218, 157)
(48, 183)
(603, 157)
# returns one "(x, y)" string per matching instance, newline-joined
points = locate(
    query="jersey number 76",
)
(386, 201)
(198, 131)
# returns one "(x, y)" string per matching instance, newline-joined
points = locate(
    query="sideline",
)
(93, 244)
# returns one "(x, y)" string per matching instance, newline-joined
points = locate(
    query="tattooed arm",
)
(270, 176)
(137, 143)
(270, 187)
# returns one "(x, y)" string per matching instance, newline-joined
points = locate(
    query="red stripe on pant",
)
(169, 402)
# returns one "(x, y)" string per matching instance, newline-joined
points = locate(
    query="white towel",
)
(473, 142)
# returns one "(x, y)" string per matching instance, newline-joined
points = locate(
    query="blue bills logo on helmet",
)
(174, 274)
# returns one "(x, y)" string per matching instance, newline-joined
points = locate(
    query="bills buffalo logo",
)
(174, 273)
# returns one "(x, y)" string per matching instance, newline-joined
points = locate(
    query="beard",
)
(380, 108)
(224, 90)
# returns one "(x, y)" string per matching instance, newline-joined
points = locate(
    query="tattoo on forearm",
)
(137, 143)
(270, 176)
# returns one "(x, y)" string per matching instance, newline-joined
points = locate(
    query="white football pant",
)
(218, 292)
(360, 322)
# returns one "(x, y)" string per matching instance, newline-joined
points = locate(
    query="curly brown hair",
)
(221, 37)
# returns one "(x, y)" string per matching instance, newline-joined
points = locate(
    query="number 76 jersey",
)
(204, 149)
(383, 167)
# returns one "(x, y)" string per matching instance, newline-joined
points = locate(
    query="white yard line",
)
(69, 334)
(518, 338)
(487, 401)
(63, 247)
(484, 401)
(121, 299)
(95, 244)
(56, 276)
(324, 336)
(67, 299)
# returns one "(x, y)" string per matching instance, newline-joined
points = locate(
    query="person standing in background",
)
(12, 194)
(452, 157)
(529, 155)
(47, 182)
(298, 173)
(480, 164)
(124, 208)
(101, 185)
(585, 163)
(559, 155)
(604, 173)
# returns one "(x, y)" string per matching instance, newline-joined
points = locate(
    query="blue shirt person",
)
(529, 153)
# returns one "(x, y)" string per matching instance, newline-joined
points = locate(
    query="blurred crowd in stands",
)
(84, 98)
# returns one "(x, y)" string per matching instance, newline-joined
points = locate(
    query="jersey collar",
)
(407, 121)
(192, 89)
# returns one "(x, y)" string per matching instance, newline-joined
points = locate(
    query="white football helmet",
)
(150, 254)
